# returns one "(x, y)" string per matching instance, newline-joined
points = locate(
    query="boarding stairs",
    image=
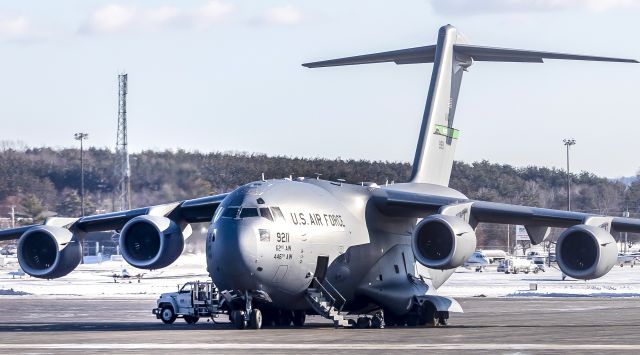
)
(327, 303)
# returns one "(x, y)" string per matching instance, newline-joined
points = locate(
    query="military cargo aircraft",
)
(283, 248)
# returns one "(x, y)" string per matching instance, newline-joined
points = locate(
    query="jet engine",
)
(586, 252)
(48, 252)
(151, 242)
(443, 242)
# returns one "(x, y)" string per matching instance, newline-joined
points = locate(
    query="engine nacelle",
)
(443, 242)
(48, 252)
(151, 242)
(586, 252)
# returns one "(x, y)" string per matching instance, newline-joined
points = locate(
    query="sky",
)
(225, 75)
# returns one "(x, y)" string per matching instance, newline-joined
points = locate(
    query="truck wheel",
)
(298, 318)
(256, 319)
(191, 319)
(167, 315)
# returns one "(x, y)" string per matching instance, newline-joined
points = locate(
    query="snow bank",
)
(96, 280)
(619, 282)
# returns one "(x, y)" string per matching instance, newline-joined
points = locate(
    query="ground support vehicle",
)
(194, 300)
(515, 266)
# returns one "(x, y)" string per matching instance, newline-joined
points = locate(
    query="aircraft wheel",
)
(299, 317)
(390, 319)
(443, 318)
(238, 319)
(377, 321)
(283, 319)
(268, 317)
(430, 315)
(191, 319)
(256, 319)
(412, 319)
(363, 323)
(167, 315)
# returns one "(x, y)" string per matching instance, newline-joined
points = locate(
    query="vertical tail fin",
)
(437, 140)
(450, 57)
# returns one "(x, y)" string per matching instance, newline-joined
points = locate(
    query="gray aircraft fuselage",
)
(370, 254)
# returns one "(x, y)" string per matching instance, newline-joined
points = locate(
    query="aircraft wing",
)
(536, 220)
(189, 211)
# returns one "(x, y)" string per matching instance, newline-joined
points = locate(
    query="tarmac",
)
(42, 325)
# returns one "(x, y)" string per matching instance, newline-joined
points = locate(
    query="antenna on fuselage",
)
(263, 177)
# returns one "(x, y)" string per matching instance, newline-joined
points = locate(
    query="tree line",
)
(42, 181)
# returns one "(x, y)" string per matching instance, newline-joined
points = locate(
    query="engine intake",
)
(443, 242)
(586, 252)
(48, 252)
(151, 242)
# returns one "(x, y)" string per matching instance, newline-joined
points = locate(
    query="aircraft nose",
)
(234, 255)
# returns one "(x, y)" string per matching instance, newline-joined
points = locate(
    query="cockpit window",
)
(277, 214)
(264, 212)
(231, 212)
(248, 212)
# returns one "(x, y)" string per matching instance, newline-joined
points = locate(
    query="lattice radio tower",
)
(122, 169)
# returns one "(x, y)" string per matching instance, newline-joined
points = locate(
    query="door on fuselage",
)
(322, 263)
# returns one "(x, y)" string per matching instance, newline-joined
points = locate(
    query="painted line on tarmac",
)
(314, 346)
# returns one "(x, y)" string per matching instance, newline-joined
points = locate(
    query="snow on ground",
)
(93, 280)
(96, 280)
(619, 282)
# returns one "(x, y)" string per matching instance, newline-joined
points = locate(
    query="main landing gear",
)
(252, 317)
(426, 315)
(376, 322)
(268, 317)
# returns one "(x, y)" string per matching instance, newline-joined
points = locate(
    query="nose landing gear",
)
(248, 317)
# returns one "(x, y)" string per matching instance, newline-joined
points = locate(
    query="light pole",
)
(568, 143)
(81, 137)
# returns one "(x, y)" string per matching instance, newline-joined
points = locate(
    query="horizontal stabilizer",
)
(492, 54)
(402, 56)
(477, 53)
